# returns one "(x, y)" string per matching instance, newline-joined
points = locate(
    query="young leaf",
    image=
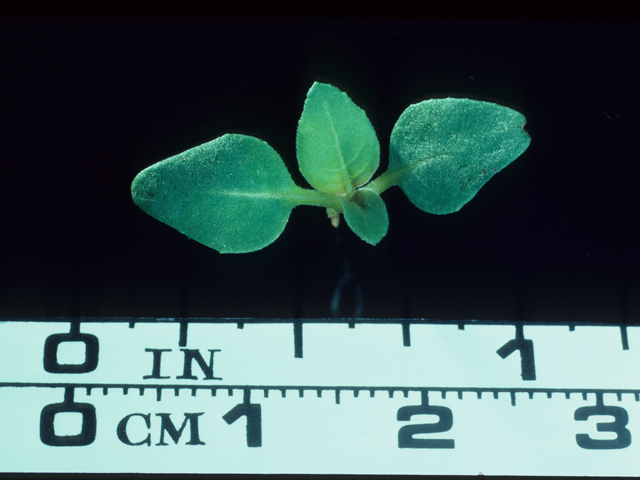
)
(233, 194)
(443, 151)
(336, 145)
(366, 215)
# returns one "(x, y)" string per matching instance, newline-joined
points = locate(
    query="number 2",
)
(406, 434)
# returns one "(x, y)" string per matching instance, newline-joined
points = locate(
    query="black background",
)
(88, 103)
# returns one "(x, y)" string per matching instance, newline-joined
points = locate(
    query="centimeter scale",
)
(354, 396)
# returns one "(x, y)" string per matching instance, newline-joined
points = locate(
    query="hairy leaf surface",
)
(366, 215)
(336, 145)
(233, 194)
(444, 150)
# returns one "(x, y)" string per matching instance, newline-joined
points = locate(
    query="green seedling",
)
(235, 194)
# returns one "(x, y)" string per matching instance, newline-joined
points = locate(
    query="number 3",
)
(618, 426)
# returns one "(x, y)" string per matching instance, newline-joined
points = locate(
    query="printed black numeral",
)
(254, 420)
(406, 434)
(618, 426)
(87, 434)
(52, 343)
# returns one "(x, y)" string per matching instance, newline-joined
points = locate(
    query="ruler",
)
(349, 396)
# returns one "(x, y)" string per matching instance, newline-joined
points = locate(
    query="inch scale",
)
(364, 396)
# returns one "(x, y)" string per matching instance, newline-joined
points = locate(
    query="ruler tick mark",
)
(182, 341)
(406, 335)
(297, 339)
(624, 338)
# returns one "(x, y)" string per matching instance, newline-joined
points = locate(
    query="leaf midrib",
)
(346, 179)
(260, 195)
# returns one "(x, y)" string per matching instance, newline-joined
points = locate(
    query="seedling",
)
(235, 194)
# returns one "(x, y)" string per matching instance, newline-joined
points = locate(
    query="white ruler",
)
(359, 396)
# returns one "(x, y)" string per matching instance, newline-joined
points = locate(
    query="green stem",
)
(305, 196)
(385, 181)
(315, 198)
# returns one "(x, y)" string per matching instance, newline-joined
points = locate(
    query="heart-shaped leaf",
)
(366, 215)
(336, 145)
(233, 194)
(443, 151)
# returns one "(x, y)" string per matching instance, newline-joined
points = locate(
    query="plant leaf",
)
(233, 194)
(366, 215)
(336, 144)
(444, 150)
